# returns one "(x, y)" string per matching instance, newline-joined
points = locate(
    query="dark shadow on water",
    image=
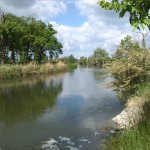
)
(27, 100)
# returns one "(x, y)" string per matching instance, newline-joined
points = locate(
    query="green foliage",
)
(83, 61)
(131, 65)
(138, 11)
(26, 39)
(70, 61)
(99, 58)
(126, 45)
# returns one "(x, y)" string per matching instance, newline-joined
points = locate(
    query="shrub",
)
(133, 70)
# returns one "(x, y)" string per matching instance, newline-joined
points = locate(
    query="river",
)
(67, 111)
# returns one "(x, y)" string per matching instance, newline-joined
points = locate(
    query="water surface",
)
(69, 111)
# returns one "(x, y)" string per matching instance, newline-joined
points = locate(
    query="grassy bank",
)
(10, 71)
(138, 136)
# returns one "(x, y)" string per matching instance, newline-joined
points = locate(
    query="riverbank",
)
(11, 71)
(135, 121)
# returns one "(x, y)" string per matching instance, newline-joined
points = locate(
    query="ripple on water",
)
(71, 143)
(50, 144)
(64, 142)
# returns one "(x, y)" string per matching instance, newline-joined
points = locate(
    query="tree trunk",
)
(3, 55)
(13, 56)
(26, 59)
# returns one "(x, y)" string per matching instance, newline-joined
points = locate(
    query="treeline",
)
(71, 62)
(23, 39)
(98, 59)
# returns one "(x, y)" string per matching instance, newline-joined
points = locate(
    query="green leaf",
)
(122, 13)
(143, 26)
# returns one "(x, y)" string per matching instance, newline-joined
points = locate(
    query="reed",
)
(11, 71)
(29, 69)
(60, 66)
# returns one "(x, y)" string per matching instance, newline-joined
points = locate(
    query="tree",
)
(99, 58)
(3, 39)
(29, 33)
(138, 11)
(69, 59)
(127, 44)
(83, 61)
(130, 66)
(45, 41)
(27, 38)
(13, 32)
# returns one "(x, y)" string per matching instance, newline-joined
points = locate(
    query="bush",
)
(131, 67)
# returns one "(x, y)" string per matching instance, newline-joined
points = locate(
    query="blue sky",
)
(71, 18)
(81, 24)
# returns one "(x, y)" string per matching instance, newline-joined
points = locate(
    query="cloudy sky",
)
(81, 24)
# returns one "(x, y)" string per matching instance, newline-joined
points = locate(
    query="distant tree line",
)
(69, 59)
(25, 39)
(98, 59)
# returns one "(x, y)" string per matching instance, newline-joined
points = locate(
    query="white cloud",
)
(41, 9)
(102, 29)
(86, 38)
(47, 9)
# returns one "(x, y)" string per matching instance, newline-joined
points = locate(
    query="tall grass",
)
(61, 66)
(10, 71)
(31, 68)
(137, 137)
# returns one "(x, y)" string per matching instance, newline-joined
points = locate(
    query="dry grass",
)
(61, 66)
(30, 68)
(47, 68)
(9, 71)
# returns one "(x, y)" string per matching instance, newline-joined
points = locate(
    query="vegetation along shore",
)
(29, 46)
(131, 70)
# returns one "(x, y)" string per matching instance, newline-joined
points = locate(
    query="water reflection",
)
(68, 109)
(27, 100)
